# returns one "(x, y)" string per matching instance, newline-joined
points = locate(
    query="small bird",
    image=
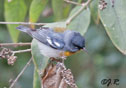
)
(56, 44)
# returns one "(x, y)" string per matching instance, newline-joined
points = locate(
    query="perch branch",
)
(84, 5)
(22, 71)
(23, 23)
(22, 51)
(14, 44)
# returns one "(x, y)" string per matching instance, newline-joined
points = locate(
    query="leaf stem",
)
(22, 51)
(72, 2)
(84, 5)
(19, 75)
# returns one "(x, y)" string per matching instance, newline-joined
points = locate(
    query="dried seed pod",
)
(102, 5)
(57, 76)
(7, 56)
(5, 53)
(3, 56)
(68, 78)
(2, 53)
(11, 60)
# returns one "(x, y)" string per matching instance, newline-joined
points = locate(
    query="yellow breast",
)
(67, 53)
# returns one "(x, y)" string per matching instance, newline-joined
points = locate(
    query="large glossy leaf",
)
(57, 6)
(56, 24)
(1, 10)
(94, 11)
(66, 10)
(81, 22)
(37, 6)
(114, 21)
(14, 11)
(37, 80)
(79, 1)
(39, 60)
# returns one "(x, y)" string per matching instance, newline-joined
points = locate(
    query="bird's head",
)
(78, 41)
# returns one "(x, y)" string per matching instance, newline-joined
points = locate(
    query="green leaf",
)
(67, 10)
(14, 11)
(37, 6)
(94, 11)
(28, 3)
(79, 1)
(113, 19)
(81, 22)
(36, 80)
(39, 60)
(1, 10)
(56, 24)
(57, 6)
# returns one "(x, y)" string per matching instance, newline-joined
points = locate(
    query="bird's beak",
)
(84, 49)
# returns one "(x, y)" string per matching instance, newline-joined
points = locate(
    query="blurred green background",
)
(103, 61)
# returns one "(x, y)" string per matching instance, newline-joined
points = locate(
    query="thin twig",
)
(23, 23)
(72, 2)
(84, 5)
(19, 75)
(14, 44)
(22, 51)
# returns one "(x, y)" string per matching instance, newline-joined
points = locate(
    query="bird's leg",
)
(54, 59)
(63, 58)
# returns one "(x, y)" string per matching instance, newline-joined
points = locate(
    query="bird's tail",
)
(23, 28)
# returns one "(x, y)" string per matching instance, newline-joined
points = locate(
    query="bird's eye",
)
(76, 47)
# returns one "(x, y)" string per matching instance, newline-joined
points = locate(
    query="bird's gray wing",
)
(45, 35)
(49, 37)
(56, 40)
(39, 35)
